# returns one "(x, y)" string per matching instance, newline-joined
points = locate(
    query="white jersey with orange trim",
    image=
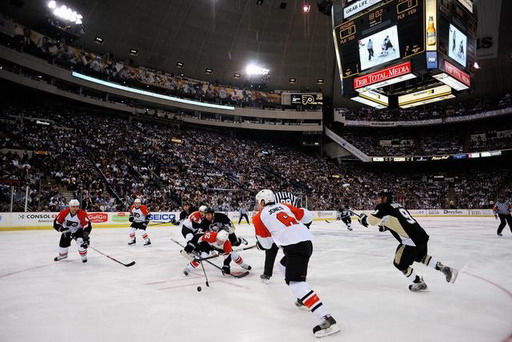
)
(139, 213)
(73, 222)
(193, 221)
(282, 224)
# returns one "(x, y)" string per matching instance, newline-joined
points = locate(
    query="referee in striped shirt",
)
(502, 209)
(271, 254)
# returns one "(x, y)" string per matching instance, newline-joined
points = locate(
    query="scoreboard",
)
(385, 33)
(376, 40)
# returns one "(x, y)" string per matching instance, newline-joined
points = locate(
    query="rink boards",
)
(44, 220)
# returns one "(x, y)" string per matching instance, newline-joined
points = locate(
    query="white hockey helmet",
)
(74, 203)
(137, 200)
(222, 236)
(203, 208)
(265, 195)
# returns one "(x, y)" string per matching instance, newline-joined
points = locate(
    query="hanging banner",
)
(489, 13)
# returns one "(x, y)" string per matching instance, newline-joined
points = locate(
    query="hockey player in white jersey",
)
(73, 223)
(282, 224)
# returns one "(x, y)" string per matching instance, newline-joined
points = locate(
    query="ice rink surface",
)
(352, 271)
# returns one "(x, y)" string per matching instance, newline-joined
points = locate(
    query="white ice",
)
(43, 300)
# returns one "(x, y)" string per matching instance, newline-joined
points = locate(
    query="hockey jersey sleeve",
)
(262, 233)
(144, 209)
(84, 220)
(301, 214)
(62, 216)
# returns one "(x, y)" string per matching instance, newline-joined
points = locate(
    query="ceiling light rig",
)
(65, 13)
(253, 69)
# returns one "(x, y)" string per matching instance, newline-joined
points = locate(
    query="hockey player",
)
(139, 217)
(204, 243)
(283, 225)
(345, 215)
(73, 223)
(187, 210)
(271, 254)
(215, 221)
(412, 237)
(192, 223)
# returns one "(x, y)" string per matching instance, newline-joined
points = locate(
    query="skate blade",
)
(333, 329)
(455, 274)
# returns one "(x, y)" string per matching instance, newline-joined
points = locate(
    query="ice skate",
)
(418, 286)
(327, 327)
(147, 243)
(133, 242)
(265, 278)
(84, 259)
(245, 266)
(450, 273)
(60, 257)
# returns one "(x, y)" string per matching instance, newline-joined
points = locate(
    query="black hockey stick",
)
(205, 276)
(114, 259)
(236, 275)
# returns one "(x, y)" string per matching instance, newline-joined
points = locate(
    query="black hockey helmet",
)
(209, 210)
(385, 193)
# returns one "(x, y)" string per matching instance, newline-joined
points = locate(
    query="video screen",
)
(379, 48)
(457, 46)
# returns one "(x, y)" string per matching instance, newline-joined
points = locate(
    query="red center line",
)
(490, 282)
(28, 269)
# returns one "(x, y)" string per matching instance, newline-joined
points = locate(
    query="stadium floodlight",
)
(253, 69)
(65, 12)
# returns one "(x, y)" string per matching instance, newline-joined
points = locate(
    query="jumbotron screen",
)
(367, 41)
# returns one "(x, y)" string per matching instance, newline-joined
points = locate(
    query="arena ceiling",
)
(227, 35)
(224, 35)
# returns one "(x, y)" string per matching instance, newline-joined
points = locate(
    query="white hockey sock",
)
(309, 298)
(132, 232)
(145, 236)
(429, 261)
(410, 275)
(63, 251)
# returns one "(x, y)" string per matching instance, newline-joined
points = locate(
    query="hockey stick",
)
(218, 255)
(205, 276)
(114, 259)
(236, 275)
(156, 223)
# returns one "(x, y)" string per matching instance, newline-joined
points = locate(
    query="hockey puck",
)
(199, 288)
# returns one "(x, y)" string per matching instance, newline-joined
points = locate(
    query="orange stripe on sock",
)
(311, 301)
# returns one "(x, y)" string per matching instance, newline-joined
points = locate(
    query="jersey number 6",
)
(286, 219)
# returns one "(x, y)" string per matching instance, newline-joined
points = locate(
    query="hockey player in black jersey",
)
(413, 239)
(215, 221)
(345, 215)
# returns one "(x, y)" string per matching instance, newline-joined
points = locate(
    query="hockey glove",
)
(363, 219)
(86, 241)
(131, 218)
(382, 229)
